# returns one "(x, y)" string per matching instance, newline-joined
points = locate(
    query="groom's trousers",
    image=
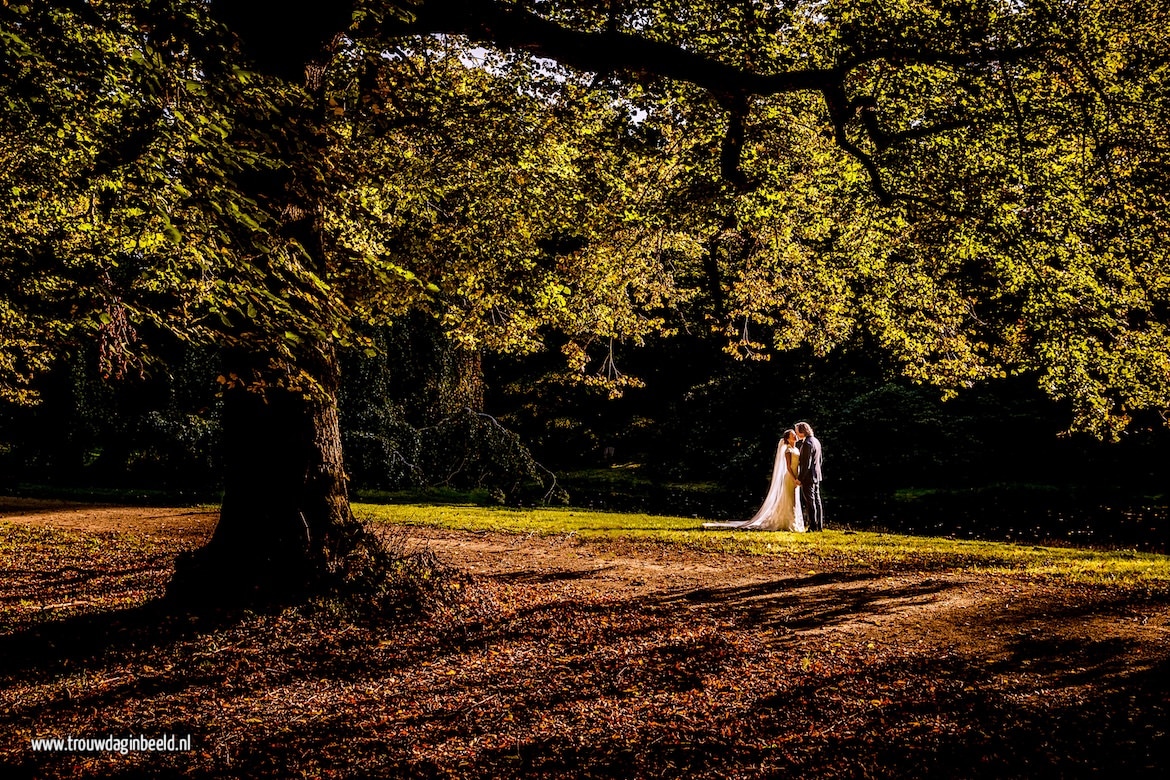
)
(810, 500)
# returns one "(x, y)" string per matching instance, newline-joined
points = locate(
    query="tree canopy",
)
(977, 187)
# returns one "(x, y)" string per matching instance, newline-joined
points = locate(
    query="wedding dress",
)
(781, 508)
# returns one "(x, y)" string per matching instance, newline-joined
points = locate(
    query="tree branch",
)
(504, 25)
(732, 148)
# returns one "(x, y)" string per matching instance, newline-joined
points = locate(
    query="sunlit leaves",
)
(500, 198)
(984, 190)
(1029, 234)
(118, 207)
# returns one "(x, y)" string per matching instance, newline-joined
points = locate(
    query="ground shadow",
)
(815, 601)
(46, 646)
(537, 576)
(569, 681)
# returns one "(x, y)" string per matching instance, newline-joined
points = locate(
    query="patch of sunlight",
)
(842, 548)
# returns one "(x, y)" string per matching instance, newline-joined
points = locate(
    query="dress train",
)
(781, 508)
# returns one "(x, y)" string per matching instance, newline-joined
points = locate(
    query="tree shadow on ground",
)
(69, 576)
(564, 681)
(815, 601)
(836, 722)
(535, 576)
(47, 646)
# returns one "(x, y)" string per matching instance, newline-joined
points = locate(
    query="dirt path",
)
(106, 518)
(957, 612)
(586, 659)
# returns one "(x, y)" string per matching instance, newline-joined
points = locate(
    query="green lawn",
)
(1125, 568)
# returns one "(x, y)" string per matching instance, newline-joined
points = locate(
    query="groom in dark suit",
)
(808, 476)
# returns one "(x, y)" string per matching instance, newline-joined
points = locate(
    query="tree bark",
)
(285, 519)
(469, 382)
(285, 516)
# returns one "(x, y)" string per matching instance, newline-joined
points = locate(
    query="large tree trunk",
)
(285, 518)
(285, 521)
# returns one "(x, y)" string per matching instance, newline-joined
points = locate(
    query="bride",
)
(781, 508)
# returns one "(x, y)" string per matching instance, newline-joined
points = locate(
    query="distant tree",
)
(158, 433)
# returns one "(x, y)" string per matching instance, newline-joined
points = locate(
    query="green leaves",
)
(977, 187)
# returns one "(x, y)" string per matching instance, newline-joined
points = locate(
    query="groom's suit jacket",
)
(809, 468)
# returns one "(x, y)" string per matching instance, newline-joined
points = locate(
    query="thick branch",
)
(504, 26)
(283, 36)
(732, 152)
(840, 112)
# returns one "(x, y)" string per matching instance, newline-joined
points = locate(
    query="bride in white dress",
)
(781, 508)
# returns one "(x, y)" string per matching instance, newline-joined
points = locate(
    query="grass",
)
(1125, 568)
(560, 667)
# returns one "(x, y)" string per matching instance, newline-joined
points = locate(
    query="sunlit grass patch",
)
(837, 548)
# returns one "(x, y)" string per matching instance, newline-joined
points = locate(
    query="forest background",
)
(697, 440)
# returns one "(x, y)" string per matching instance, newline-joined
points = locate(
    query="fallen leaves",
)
(569, 676)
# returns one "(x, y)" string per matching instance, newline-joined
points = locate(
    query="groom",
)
(808, 476)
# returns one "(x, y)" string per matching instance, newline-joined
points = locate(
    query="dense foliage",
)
(987, 198)
(973, 188)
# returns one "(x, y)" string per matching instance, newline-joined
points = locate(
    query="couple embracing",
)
(793, 502)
